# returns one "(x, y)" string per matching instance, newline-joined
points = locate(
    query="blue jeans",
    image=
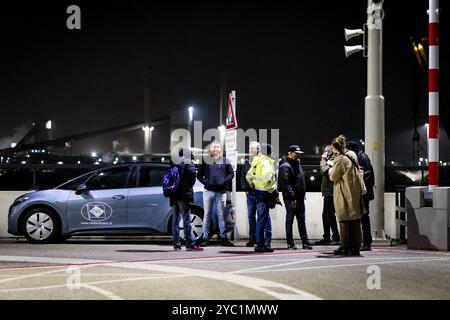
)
(262, 208)
(181, 210)
(251, 211)
(209, 199)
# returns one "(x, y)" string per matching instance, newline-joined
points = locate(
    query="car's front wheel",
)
(40, 225)
(196, 224)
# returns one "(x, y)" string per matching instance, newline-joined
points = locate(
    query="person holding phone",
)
(328, 212)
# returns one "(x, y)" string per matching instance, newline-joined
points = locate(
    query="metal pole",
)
(147, 115)
(433, 95)
(233, 195)
(374, 114)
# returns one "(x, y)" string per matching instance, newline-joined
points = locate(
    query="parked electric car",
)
(122, 199)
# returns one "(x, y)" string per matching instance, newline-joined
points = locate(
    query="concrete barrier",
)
(314, 204)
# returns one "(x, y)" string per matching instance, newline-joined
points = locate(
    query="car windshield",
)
(75, 183)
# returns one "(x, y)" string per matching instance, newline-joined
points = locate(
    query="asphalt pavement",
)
(150, 269)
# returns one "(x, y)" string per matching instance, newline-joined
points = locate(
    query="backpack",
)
(171, 182)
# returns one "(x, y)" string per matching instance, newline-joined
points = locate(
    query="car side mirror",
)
(82, 188)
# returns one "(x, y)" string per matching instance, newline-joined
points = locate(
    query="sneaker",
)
(250, 243)
(323, 242)
(335, 242)
(226, 243)
(366, 248)
(204, 243)
(194, 248)
(177, 248)
(292, 246)
(307, 246)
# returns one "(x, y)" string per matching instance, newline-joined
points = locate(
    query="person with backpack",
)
(261, 177)
(254, 150)
(347, 196)
(215, 173)
(369, 180)
(291, 182)
(177, 184)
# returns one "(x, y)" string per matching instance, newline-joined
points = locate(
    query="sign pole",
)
(231, 144)
(233, 196)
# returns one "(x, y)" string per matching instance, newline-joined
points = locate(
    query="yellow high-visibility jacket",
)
(262, 175)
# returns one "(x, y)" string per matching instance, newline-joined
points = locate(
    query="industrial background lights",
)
(191, 113)
(48, 125)
(148, 129)
(94, 154)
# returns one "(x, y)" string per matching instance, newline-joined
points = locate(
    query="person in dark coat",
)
(291, 182)
(180, 201)
(254, 150)
(369, 180)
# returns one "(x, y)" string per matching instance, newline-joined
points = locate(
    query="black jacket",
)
(244, 183)
(187, 180)
(216, 175)
(292, 185)
(369, 177)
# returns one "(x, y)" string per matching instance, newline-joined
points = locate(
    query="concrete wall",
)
(314, 204)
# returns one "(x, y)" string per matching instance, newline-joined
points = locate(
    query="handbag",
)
(360, 175)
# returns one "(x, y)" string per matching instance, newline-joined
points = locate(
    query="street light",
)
(148, 129)
(191, 114)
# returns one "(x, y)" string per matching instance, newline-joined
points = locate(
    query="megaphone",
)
(349, 50)
(351, 33)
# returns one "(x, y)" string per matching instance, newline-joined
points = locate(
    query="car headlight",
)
(20, 200)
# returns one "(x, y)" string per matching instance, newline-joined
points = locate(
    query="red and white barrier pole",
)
(433, 95)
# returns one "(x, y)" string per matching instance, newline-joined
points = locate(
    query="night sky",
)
(285, 60)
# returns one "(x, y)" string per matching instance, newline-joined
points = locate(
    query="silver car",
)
(117, 200)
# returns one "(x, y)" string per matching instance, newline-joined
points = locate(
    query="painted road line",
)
(352, 265)
(89, 285)
(65, 262)
(256, 284)
(273, 266)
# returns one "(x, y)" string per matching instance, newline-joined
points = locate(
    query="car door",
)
(103, 205)
(147, 207)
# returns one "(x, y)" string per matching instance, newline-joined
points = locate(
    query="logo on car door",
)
(96, 213)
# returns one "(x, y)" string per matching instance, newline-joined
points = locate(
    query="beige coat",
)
(347, 194)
